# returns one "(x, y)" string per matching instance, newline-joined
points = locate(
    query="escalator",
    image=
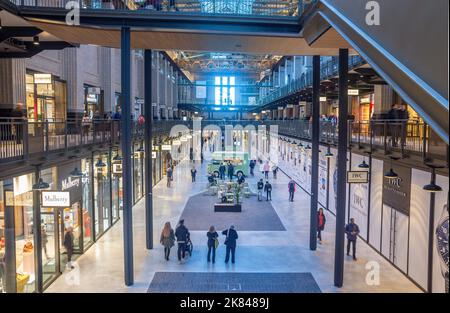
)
(405, 41)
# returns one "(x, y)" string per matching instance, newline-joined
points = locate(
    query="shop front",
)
(93, 101)
(45, 97)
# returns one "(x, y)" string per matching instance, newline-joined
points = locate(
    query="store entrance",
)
(69, 217)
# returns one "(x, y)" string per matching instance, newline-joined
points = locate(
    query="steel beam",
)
(341, 169)
(126, 142)
(148, 149)
(315, 154)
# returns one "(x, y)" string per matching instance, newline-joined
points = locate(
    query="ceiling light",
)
(117, 158)
(390, 174)
(40, 185)
(36, 40)
(76, 173)
(100, 163)
(432, 187)
(363, 164)
(328, 154)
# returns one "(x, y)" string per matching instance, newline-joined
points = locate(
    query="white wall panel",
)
(376, 202)
(419, 219)
(359, 199)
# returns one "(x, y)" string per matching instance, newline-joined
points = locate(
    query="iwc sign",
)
(397, 191)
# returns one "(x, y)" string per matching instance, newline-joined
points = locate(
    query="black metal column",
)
(341, 169)
(431, 236)
(37, 235)
(315, 153)
(126, 151)
(148, 150)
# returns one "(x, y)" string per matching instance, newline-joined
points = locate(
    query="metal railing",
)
(228, 7)
(328, 69)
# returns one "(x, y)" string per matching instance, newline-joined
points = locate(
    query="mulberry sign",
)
(56, 199)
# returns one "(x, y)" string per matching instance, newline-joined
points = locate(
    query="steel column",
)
(37, 235)
(315, 154)
(341, 168)
(126, 142)
(148, 150)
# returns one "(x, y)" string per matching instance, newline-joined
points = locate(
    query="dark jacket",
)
(321, 227)
(182, 233)
(291, 186)
(260, 185)
(222, 169)
(193, 172)
(211, 237)
(393, 114)
(268, 187)
(349, 228)
(230, 169)
(231, 238)
(403, 115)
(68, 241)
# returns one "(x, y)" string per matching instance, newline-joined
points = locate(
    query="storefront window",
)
(23, 221)
(137, 172)
(49, 232)
(87, 202)
(102, 191)
(117, 192)
(2, 241)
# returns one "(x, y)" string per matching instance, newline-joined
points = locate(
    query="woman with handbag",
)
(213, 242)
(167, 239)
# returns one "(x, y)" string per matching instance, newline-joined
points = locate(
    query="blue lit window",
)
(224, 90)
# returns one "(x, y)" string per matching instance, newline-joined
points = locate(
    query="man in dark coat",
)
(230, 242)
(230, 171)
(291, 189)
(268, 190)
(182, 234)
(68, 244)
(393, 118)
(222, 170)
(352, 231)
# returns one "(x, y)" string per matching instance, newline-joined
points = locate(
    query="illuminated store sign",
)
(42, 78)
(397, 192)
(153, 155)
(56, 199)
(176, 142)
(323, 99)
(353, 92)
(166, 147)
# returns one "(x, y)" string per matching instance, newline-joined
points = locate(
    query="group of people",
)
(181, 236)
(398, 117)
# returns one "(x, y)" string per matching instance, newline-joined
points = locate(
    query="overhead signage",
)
(91, 98)
(353, 92)
(183, 139)
(290, 106)
(397, 192)
(140, 101)
(322, 99)
(66, 182)
(117, 168)
(357, 177)
(166, 147)
(155, 148)
(94, 90)
(42, 78)
(56, 199)
(153, 154)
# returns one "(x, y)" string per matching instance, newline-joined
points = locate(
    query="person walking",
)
(321, 220)
(182, 234)
(274, 171)
(68, 245)
(268, 190)
(266, 169)
(222, 170)
(44, 238)
(252, 167)
(393, 121)
(291, 188)
(230, 241)
(260, 187)
(213, 242)
(230, 171)
(167, 239)
(169, 176)
(403, 116)
(193, 173)
(352, 231)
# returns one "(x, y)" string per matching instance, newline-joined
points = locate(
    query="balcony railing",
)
(328, 69)
(225, 7)
(20, 138)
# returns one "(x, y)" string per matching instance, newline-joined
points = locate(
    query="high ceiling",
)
(196, 62)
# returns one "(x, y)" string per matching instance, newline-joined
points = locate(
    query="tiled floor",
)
(100, 269)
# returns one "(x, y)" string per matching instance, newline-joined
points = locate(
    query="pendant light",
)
(36, 40)
(76, 173)
(329, 154)
(40, 185)
(391, 174)
(432, 187)
(308, 147)
(100, 163)
(117, 158)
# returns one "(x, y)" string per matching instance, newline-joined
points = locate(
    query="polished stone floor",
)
(100, 269)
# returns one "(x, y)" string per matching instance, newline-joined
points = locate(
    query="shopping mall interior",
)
(314, 130)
